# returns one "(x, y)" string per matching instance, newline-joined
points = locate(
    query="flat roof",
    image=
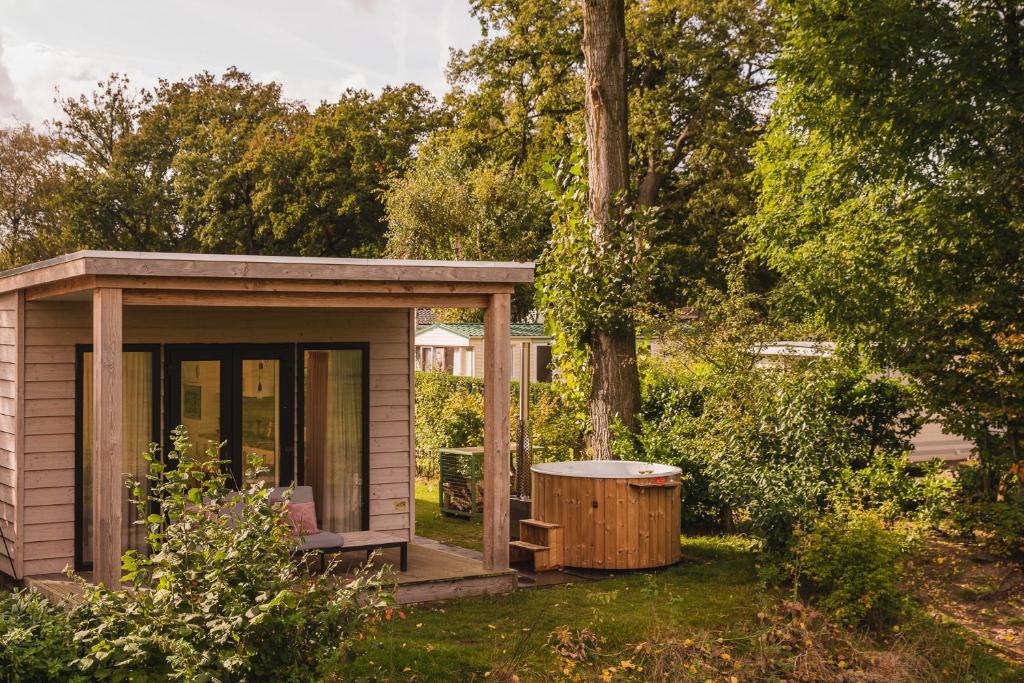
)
(180, 265)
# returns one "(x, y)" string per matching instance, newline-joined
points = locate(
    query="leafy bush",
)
(998, 526)
(762, 442)
(220, 595)
(889, 484)
(853, 563)
(36, 639)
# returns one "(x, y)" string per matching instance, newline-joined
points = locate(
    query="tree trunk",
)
(615, 388)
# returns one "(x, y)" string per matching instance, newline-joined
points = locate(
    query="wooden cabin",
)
(308, 362)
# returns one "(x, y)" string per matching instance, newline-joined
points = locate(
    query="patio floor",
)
(434, 574)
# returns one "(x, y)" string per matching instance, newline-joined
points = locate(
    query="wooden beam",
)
(280, 285)
(107, 457)
(79, 283)
(142, 297)
(497, 375)
(303, 268)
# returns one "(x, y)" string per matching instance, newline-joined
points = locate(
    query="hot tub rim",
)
(665, 471)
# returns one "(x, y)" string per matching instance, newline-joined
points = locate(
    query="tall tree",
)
(698, 85)
(30, 177)
(322, 186)
(444, 208)
(209, 131)
(117, 192)
(615, 383)
(892, 192)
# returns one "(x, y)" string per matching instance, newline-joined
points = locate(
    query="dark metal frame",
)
(292, 391)
(231, 356)
(80, 351)
(301, 373)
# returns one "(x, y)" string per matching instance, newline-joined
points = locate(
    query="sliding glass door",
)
(334, 415)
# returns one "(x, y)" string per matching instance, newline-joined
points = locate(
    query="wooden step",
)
(540, 557)
(529, 547)
(538, 523)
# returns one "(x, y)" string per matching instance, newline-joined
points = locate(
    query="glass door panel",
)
(334, 417)
(261, 417)
(200, 403)
(138, 430)
(238, 394)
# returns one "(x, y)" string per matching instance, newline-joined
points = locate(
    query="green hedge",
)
(450, 414)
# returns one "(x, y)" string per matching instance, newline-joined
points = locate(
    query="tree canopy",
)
(891, 191)
(211, 163)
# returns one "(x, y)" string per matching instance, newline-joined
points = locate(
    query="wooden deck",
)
(434, 574)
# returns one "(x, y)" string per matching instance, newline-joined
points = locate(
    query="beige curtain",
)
(137, 406)
(334, 436)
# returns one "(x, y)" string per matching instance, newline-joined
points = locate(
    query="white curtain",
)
(137, 425)
(334, 436)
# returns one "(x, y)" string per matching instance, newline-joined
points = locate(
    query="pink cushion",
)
(302, 517)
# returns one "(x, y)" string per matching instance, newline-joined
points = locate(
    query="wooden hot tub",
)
(615, 514)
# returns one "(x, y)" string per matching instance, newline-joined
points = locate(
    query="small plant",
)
(219, 596)
(36, 639)
(853, 564)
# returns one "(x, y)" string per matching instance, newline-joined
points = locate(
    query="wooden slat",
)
(47, 496)
(389, 491)
(50, 372)
(496, 432)
(58, 460)
(49, 531)
(41, 514)
(388, 460)
(50, 407)
(38, 479)
(396, 521)
(382, 428)
(44, 550)
(49, 425)
(389, 506)
(388, 475)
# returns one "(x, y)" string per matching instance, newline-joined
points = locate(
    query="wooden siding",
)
(54, 328)
(11, 485)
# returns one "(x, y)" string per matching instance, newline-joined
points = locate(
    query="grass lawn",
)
(713, 596)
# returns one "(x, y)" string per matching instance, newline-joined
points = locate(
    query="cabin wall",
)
(52, 329)
(10, 517)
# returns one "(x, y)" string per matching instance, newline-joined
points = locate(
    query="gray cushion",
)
(322, 539)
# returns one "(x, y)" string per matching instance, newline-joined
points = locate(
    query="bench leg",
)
(403, 562)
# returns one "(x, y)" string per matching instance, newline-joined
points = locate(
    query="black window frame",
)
(231, 355)
(80, 351)
(300, 374)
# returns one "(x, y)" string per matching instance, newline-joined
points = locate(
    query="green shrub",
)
(220, 596)
(36, 639)
(897, 489)
(998, 526)
(853, 564)
(450, 414)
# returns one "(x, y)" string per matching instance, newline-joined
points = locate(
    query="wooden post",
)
(107, 482)
(497, 375)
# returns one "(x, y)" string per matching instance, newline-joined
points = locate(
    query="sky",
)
(314, 48)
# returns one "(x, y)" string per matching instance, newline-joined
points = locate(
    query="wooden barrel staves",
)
(614, 514)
